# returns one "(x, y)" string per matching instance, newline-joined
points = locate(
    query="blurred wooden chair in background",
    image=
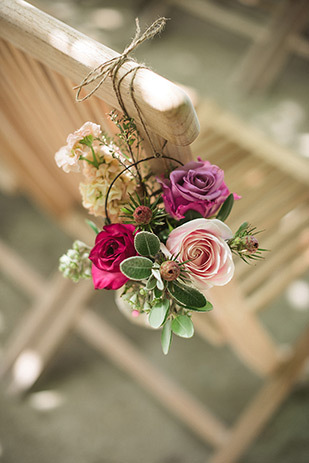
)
(41, 57)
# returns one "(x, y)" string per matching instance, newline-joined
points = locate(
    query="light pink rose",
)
(202, 241)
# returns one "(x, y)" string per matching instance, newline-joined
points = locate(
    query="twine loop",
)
(110, 67)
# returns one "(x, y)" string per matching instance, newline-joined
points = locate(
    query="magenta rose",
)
(114, 244)
(201, 243)
(198, 186)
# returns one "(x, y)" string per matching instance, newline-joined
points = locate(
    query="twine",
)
(111, 67)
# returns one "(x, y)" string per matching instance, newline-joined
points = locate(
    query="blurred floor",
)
(94, 413)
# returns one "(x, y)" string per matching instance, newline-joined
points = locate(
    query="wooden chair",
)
(272, 42)
(41, 58)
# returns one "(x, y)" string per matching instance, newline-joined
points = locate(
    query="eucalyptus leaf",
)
(156, 273)
(182, 326)
(158, 292)
(185, 295)
(207, 307)
(146, 243)
(158, 313)
(166, 336)
(160, 285)
(226, 208)
(136, 268)
(151, 283)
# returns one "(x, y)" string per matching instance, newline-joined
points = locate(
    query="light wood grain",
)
(74, 55)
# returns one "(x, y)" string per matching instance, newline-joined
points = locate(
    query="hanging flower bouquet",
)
(164, 242)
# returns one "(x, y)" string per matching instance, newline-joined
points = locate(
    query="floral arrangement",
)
(163, 242)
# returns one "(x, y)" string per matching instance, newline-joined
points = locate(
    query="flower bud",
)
(169, 270)
(142, 215)
(251, 244)
(75, 264)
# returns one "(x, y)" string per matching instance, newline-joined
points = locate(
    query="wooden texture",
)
(273, 183)
(269, 54)
(98, 333)
(74, 55)
(264, 405)
(42, 84)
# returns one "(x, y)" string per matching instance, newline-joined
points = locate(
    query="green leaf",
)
(207, 307)
(191, 214)
(166, 336)
(151, 283)
(93, 226)
(226, 208)
(157, 276)
(146, 243)
(185, 295)
(158, 292)
(158, 313)
(183, 326)
(136, 268)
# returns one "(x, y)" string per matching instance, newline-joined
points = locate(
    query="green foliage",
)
(93, 226)
(182, 326)
(158, 313)
(226, 208)
(151, 283)
(245, 245)
(191, 214)
(207, 308)
(158, 214)
(136, 268)
(158, 292)
(185, 295)
(166, 336)
(146, 243)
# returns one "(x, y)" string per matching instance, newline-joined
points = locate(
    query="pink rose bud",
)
(135, 313)
(142, 215)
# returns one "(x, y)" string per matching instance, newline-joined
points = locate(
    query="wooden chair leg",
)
(46, 338)
(242, 329)
(34, 321)
(264, 405)
(113, 344)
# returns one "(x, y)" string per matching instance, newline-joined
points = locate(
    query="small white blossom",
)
(67, 160)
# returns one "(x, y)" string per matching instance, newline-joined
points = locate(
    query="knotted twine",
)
(110, 69)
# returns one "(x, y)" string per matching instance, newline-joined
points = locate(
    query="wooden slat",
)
(242, 329)
(98, 333)
(232, 128)
(74, 55)
(264, 405)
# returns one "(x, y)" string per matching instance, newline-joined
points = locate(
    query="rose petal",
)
(107, 280)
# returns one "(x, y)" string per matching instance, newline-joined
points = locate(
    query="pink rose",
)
(202, 242)
(198, 186)
(114, 244)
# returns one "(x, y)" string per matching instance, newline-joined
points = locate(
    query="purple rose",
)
(198, 186)
(113, 245)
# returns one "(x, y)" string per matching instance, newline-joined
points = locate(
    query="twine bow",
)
(110, 67)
